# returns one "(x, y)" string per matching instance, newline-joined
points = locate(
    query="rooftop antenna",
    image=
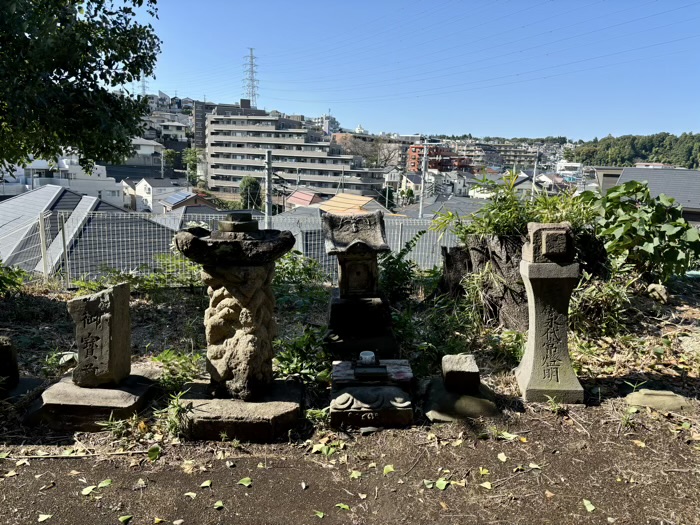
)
(251, 83)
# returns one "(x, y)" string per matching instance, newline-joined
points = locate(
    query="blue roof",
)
(177, 198)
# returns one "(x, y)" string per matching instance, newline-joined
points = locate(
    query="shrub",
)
(397, 274)
(303, 357)
(299, 282)
(648, 235)
(11, 279)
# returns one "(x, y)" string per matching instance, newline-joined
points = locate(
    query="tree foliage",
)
(251, 193)
(682, 151)
(190, 158)
(377, 153)
(170, 158)
(61, 62)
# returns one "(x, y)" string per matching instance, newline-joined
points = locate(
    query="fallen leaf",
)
(428, 484)
(219, 505)
(44, 517)
(158, 520)
(441, 484)
(640, 444)
(230, 464)
(246, 482)
(74, 473)
(319, 514)
(549, 494)
(462, 483)
(589, 506)
(22, 462)
(154, 453)
(486, 484)
(502, 457)
(125, 519)
(362, 496)
(88, 490)
(507, 436)
(355, 474)
(483, 471)
(190, 495)
(523, 439)
(3, 455)
(342, 506)
(178, 522)
(206, 484)
(48, 486)
(11, 474)
(104, 483)
(303, 486)
(388, 469)
(457, 442)
(372, 465)
(534, 466)
(188, 467)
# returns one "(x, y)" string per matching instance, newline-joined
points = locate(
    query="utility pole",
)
(534, 175)
(162, 164)
(424, 175)
(251, 83)
(268, 189)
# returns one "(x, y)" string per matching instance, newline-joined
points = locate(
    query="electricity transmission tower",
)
(251, 83)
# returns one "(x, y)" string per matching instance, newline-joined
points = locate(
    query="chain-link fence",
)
(88, 245)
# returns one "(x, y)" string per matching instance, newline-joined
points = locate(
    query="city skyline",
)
(580, 69)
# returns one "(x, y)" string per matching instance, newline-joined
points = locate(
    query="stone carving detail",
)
(550, 275)
(103, 336)
(238, 267)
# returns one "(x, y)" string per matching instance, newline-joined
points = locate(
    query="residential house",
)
(347, 203)
(607, 177)
(185, 199)
(412, 181)
(173, 131)
(150, 192)
(302, 197)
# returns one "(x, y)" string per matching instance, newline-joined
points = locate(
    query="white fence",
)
(88, 245)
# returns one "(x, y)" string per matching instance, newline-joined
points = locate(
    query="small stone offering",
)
(461, 374)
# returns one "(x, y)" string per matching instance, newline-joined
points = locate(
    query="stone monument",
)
(550, 276)
(368, 388)
(238, 264)
(360, 318)
(103, 383)
(103, 336)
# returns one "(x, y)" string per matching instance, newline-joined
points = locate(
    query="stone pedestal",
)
(240, 328)
(103, 337)
(545, 370)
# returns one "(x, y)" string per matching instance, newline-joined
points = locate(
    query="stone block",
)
(9, 369)
(377, 406)
(67, 406)
(399, 374)
(661, 400)
(103, 337)
(261, 421)
(549, 243)
(460, 374)
(368, 315)
(443, 406)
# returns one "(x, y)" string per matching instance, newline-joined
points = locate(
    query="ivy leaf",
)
(388, 469)
(206, 484)
(88, 490)
(342, 506)
(219, 505)
(441, 484)
(589, 506)
(104, 483)
(319, 514)
(355, 474)
(246, 482)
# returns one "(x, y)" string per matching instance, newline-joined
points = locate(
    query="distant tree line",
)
(543, 140)
(682, 151)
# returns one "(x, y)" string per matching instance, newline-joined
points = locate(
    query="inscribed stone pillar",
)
(103, 336)
(550, 275)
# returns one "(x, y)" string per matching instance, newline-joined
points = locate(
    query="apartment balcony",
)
(322, 153)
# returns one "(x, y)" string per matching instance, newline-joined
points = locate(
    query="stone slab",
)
(260, 421)
(443, 406)
(349, 346)
(661, 400)
(377, 406)
(65, 405)
(367, 315)
(103, 337)
(461, 374)
(399, 374)
(9, 369)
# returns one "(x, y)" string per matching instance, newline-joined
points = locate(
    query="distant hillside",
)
(683, 151)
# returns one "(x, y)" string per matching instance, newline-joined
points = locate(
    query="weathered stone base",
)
(66, 406)
(568, 392)
(661, 400)
(260, 421)
(444, 406)
(377, 406)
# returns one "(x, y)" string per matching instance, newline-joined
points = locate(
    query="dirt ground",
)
(535, 464)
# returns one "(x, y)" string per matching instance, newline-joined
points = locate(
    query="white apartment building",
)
(236, 146)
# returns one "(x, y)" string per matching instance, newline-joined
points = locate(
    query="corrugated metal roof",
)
(681, 184)
(177, 198)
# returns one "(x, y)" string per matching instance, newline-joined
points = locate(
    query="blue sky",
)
(580, 68)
